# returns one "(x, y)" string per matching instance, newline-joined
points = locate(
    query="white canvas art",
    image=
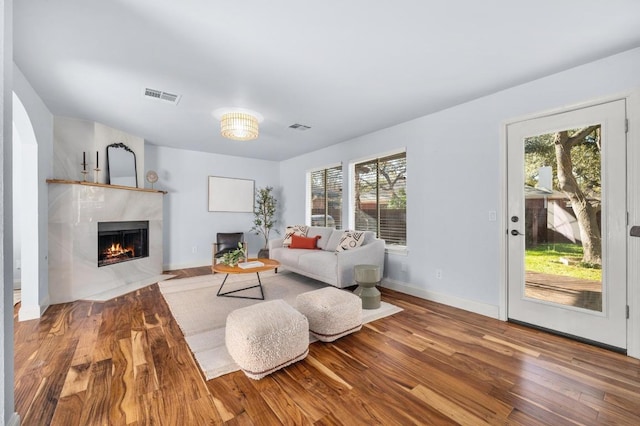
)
(230, 195)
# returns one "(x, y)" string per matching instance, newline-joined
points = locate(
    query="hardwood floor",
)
(125, 362)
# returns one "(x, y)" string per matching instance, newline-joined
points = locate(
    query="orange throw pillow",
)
(304, 242)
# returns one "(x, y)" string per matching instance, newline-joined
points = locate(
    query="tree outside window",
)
(381, 197)
(326, 197)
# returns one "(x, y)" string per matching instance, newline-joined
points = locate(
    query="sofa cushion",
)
(309, 243)
(300, 230)
(287, 256)
(350, 240)
(324, 232)
(321, 263)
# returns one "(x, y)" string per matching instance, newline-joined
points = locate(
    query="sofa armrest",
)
(275, 243)
(369, 254)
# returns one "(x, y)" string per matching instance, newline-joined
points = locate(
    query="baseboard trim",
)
(173, 267)
(29, 312)
(14, 420)
(446, 299)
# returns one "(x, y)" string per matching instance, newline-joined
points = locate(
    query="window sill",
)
(397, 250)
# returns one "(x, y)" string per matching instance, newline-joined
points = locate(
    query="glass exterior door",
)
(562, 219)
(567, 223)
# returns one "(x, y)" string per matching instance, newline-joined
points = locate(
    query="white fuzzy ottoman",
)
(266, 337)
(332, 313)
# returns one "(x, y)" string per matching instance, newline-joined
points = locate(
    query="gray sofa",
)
(325, 264)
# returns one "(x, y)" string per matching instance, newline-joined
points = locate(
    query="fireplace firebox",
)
(122, 241)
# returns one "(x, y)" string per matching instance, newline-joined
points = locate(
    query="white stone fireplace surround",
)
(75, 208)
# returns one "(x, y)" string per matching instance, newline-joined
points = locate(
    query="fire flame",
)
(117, 250)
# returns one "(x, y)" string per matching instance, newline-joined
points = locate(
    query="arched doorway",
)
(25, 213)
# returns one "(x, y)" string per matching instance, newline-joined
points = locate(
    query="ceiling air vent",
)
(163, 96)
(299, 127)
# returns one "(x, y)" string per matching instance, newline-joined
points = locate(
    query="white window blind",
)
(326, 197)
(381, 197)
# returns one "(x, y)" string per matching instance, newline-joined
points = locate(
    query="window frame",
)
(308, 192)
(389, 248)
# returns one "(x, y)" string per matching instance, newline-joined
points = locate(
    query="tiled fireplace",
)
(101, 238)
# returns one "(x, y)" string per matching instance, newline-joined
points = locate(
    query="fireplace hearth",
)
(122, 241)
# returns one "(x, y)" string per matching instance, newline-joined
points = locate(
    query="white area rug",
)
(202, 315)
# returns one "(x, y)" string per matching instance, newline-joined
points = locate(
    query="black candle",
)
(84, 161)
(97, 160)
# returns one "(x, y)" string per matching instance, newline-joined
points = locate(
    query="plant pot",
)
(263, 253)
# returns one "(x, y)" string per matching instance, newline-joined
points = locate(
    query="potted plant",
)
(264, 216)
(234, 257)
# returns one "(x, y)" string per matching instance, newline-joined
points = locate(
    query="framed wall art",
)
(231, 194)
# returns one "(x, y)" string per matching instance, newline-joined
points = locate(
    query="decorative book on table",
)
(252, 264)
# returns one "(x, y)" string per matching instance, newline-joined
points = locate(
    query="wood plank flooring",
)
(125, 362)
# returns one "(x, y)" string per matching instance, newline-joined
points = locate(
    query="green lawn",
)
(545, 258)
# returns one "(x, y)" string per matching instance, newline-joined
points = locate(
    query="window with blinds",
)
(326, 197)
(381, 197)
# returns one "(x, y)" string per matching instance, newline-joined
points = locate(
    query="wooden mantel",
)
(102, 185)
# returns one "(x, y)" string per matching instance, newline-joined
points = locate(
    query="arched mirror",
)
(121, 165)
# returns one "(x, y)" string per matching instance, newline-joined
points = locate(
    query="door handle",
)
(515, 232)
(635, 231)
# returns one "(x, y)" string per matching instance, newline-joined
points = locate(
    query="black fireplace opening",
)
(122, 241)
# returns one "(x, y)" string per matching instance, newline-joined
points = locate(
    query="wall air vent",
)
(299, 127)
(162, 96)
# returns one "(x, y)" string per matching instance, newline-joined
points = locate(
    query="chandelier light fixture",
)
(238, 124)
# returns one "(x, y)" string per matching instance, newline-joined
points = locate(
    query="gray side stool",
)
(367, 277)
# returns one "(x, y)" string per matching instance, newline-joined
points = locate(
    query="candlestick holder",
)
(84, 168)
(96, 173)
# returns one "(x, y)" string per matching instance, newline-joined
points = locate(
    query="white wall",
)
(454, 167)
(35, 125)
(8, 416)
(106, 136)
(73, 136)
(17, 205)
(188, 225)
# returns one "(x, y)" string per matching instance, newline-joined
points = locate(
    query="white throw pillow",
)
(350, 240)
(299, 230)
(334, 239)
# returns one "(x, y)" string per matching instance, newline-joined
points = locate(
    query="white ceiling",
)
(345, 68)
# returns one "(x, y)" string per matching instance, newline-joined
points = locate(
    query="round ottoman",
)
(266, 337)
(332, 313)
(367, 277)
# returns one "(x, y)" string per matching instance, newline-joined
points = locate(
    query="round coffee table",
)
(267, 265)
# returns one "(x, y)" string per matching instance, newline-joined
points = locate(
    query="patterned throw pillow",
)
(350, 240)
(299, 230)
